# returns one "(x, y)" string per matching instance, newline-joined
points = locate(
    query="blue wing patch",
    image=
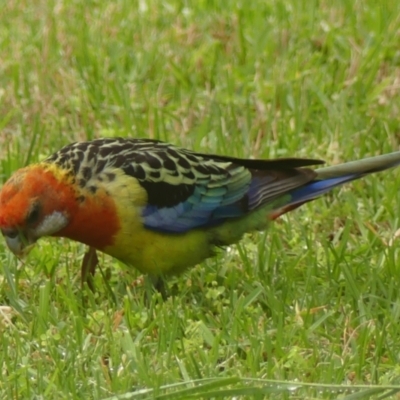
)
(208, 205)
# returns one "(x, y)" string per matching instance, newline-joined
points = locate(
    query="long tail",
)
(329, 177)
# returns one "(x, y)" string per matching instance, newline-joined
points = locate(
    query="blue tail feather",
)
(317, 188)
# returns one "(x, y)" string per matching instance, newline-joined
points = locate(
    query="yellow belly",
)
(157, 253)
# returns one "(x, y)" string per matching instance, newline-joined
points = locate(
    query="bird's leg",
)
(88, 268)
(159, 286)
(154, 283)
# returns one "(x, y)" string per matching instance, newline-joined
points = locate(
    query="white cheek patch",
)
(51, 224)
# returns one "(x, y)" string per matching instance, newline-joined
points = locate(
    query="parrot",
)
(157, 207)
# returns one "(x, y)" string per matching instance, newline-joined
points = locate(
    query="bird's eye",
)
(33, 215)
(10, 233)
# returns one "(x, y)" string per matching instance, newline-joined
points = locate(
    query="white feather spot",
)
(51, 224)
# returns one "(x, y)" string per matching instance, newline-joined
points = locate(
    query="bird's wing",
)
(188, 190)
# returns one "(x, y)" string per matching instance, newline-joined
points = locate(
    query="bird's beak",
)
(17, 242)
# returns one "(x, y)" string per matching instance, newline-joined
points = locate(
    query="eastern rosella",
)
(155, 206)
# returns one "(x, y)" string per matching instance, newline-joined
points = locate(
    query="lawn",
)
(309, 309)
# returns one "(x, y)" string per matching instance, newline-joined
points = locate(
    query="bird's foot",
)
(154, 284)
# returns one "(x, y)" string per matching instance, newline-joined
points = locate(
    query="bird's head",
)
(33, 203)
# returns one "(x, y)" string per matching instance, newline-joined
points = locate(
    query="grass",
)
(310, 309)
